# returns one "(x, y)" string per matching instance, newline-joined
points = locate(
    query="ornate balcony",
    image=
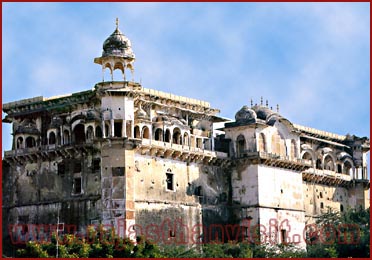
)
(180, 152)
(274, 160)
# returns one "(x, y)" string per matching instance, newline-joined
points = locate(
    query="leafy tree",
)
(341, 235)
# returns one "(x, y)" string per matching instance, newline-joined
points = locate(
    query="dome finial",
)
(117, 23)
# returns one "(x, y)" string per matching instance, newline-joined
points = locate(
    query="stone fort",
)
(123, 155)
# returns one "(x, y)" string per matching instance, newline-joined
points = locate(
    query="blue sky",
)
(313, 59)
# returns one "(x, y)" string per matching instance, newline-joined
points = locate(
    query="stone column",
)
(112, 127)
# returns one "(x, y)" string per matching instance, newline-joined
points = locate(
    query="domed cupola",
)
(117, 54)
(245, 116)
(117, 44)
(263, 112)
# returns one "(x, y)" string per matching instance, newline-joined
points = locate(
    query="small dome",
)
(263, 112)
(245, 115)
(117, 44)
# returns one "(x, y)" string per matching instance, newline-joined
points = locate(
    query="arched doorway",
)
(177, 136)
(98, 132)
(167, 136)
(52, 138)
(145, 132)
(137, 133)
(159, 134)
(30, 142)
(78, 135)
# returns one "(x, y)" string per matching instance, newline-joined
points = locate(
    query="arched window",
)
(107, 73)
(186, 139)
(262, 143)
(145, 132)
(98, 132)
(52, 138)
(328, 163)
(347, 167)
(240, 145)
(319, 164)
(293, 149)
(19, 143)
(90, 133)
(177, 136)
(167, 136)
(78, 135)
(30, 142)
(159, 134)
(137, 133)
(307, 156)
(339, 168)
(118, 72)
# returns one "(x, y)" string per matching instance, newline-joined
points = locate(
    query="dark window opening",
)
(79, 134)
(177, 136)
(199, 191)
(118, 129)
(283, 236)
(137, 133)
(61, 169)
(170, 181)
(341, 208)
(321, 205)
(318, 164)
(321, 195)
(90, 133)
(172, 233)
(339, 168)
(347, 167)
(118, 171)
(240, 147)
(96, 165)
(107, 128)
(167, 136)
(159, 135)
(52, 138)
(19, 142)
(30, 142)
(77, 185)
(98, 132)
